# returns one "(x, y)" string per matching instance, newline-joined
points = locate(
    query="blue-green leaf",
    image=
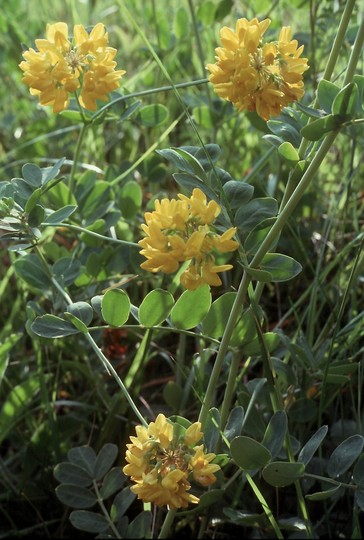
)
(281, 267)
(91, 522)
(248, 453)
(307, 452)
(282, 473)
(275, 433)
(76, 496)
(51, 326)
(344, 455)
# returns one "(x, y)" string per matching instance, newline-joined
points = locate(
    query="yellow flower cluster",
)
(178, 231)
(160, 462)
(255, 76)
(57, 69)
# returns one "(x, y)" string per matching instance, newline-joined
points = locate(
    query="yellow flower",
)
(57, 68)
(160, 461)
(180, 230)
(255, 76)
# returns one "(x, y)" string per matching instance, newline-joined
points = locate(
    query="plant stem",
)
(265, 505)
(81, 136)
(167, 524)
(104, 511)
(106, 363)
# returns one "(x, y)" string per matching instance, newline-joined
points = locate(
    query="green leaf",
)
(322, 495)
(307, 452)
(238, 193)
(66, 270)
(33, 199)
(183, 161)
(69, 473)
(358, 472)
(326, 93)
(245, 330)
(155, 307)
(281, 473)
(206, 12)
(91, 522)
(84, 457)
(173, 395)
(346, 100)
(234, 425)
(254, 212)
(30, 268)
(32, 174)
(275, 433)
(130, 199)
(75, 496)
(214, 323)
(81, 310)
(50, 326)
(152, 115)
(16, 404)
(181, 23)
(288, 152)
(316, 129)
(223, 8)
(60, 215)
(36, 215)
(210, 497)
(281, 267)
(122, 502)
(115, 307)
(359, 498)
(249, 454)
(105, 460)
(113, 481)
(48, 173)
(191, 307)
(257, 236)
(258, 275)
(344, 455)
(254, 348)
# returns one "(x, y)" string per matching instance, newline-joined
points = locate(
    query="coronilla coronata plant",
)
(60, 67)
(258, 76)
(163, 458)
(180, 230)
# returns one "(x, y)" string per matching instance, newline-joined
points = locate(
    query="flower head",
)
(255, 76)
(59, 67)
(160, 460)
(180, 230)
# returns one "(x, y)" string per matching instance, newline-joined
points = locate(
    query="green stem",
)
(199, 47)
(106, 363)
(263, 249)
(104, 510)
(167, 524)
(148, 92)
(224, 345)
(81, 136)
(230, 388)
(265, 505)
(91, 233)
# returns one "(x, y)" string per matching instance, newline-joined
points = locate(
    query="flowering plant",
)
(182, 273)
